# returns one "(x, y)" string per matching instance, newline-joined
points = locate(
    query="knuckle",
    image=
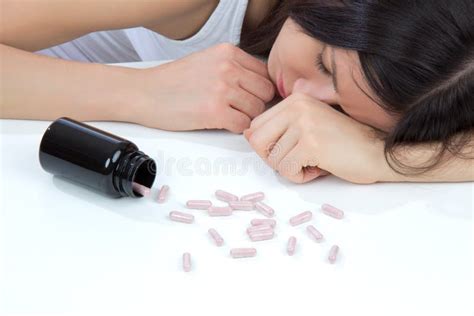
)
(227, 68)
(301, 106)
(299, 97)
(239, 125)
(253, 141)
(259, 107)
(221, 89)
(256, 106)
(269, 91)
(226, 49)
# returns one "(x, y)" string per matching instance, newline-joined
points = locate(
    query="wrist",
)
(125, 93)
(388, 174)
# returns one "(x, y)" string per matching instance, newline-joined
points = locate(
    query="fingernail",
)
(313, 169)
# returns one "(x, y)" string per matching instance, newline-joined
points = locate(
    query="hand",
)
(303, 138)
(219, 88)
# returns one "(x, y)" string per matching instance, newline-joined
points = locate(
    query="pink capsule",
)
(253, 197)
(216, 237)
(259, 228)
(181, 217)
(261, 221)
(140, 189)
(314, 233)
(241, 205)
(262, 235)
(219, 211)
(226, 196)
(301, 218)
(199, 204)
(332, 211)
(264, 209)
(163, 193)
(333, 254)
(187, 262)
(291, 247)
(243, 252)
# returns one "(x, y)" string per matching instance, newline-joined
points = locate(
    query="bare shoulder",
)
(33, 25)
(188, 17)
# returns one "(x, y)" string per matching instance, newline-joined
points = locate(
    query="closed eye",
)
(320, 65)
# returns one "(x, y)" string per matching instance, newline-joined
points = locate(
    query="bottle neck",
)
(134, 167)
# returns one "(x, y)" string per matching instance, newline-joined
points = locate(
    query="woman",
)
(373, 90)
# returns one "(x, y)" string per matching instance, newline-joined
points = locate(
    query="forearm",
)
(451, 168)
(40, 87)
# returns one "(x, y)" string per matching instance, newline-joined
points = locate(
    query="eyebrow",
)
(334, 70)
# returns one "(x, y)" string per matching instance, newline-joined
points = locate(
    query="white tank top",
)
(141, 44)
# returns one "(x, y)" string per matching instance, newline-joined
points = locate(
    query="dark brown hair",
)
(416, 55)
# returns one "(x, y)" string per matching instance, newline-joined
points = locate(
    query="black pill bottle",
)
(87, 155)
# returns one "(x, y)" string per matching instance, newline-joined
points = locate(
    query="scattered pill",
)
(253, 197)
(262, 235)
(264, 209)
(290, 249)
(187, 262)
(226, 196)
(263, 221)
(199, 204)
(181, 217)
(332, 211)
(163, 193)
(314, 233)
(259, 228)
(333, 254)
(243, 252)
(241, 205)
(301, 218)
(216, 237)
(220, 211)
(140, 189)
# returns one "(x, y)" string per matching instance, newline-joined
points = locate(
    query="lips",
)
(281, 87)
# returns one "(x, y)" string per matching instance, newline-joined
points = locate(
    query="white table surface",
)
(406, 249)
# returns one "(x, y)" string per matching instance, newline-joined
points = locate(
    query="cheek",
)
(371, 114)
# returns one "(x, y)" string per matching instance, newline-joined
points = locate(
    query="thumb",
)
(323, 93)
(304, 86)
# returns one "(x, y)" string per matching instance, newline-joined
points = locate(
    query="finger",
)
(251, 63)
(247, 133)
(284, 145)
(235, 121)
(303, 86)
(294, 166)
(257, 85)
(263, 118)
(311, 173)
(263, 139)
(246, 102)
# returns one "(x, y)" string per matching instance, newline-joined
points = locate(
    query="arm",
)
(40, 87)
(34, 25)
(451, 168)
(302, 137)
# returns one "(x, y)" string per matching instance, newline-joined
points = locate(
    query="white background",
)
(406, 249)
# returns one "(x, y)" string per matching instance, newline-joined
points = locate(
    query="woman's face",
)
(335, 75)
